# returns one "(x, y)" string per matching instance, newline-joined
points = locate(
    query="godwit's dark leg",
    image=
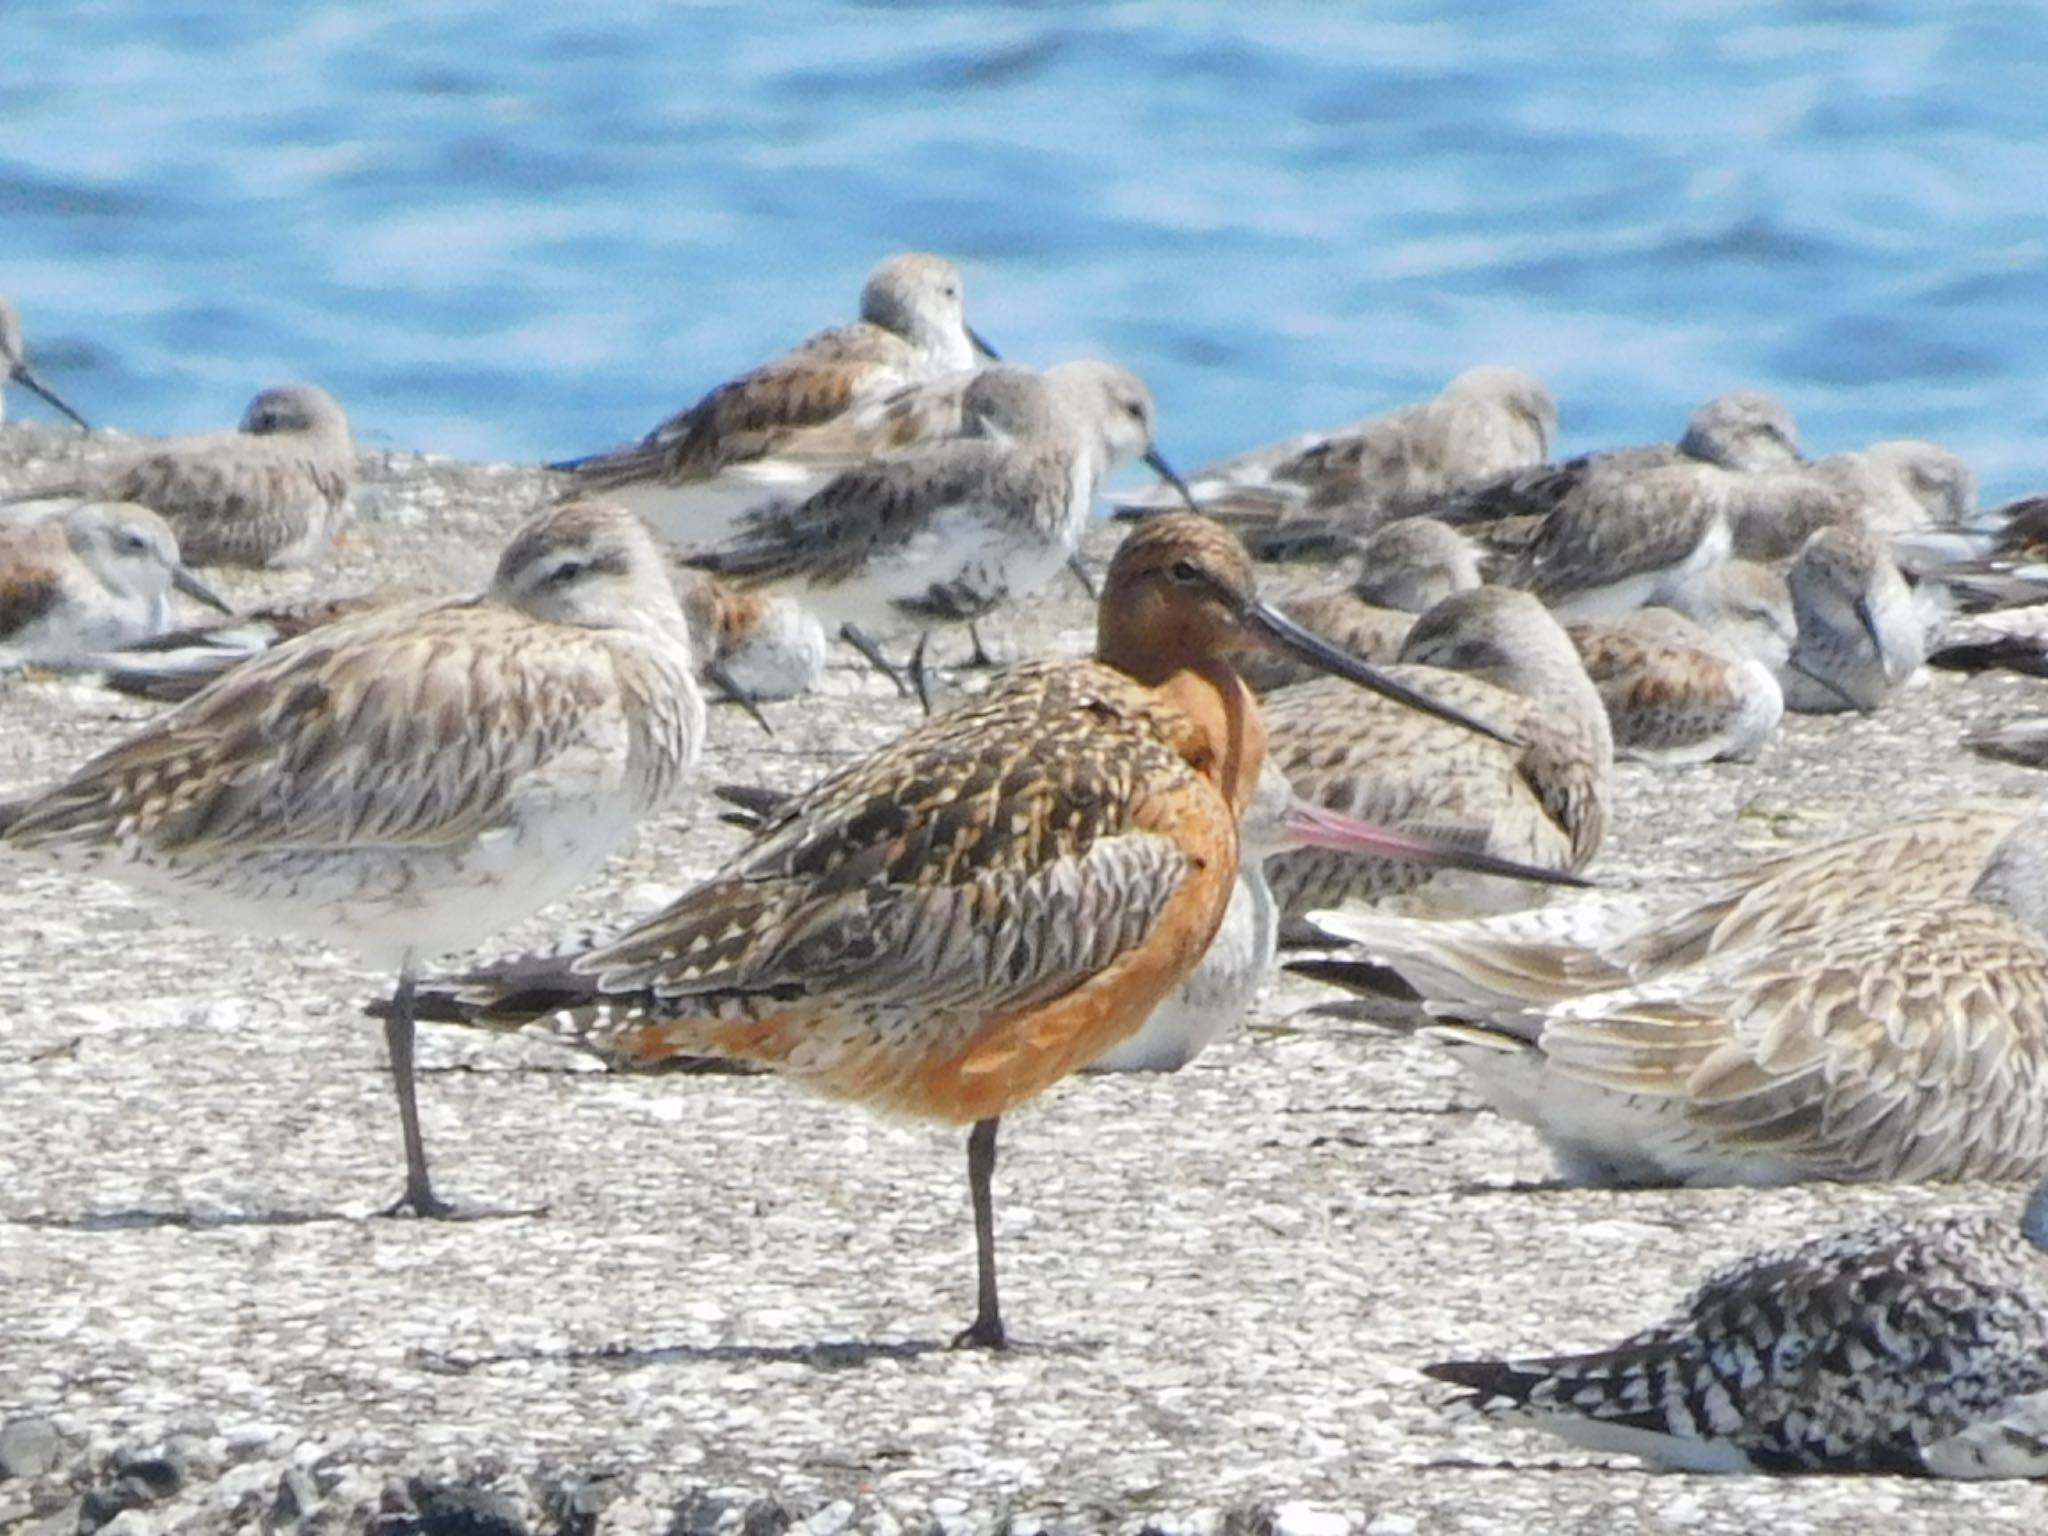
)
(986, 1331)
(864, 642)
(419, 1197)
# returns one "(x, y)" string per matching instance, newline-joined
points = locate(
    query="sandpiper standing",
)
(700, 469)
(408, 781)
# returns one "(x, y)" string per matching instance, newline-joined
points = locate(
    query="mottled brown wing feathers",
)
(949, 868)
(352, 734)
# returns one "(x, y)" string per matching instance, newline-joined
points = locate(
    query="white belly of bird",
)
(383, 901)
(1213, 996)
(974, 547)
(709, 511)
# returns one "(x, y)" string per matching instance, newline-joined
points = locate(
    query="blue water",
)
(508, 231)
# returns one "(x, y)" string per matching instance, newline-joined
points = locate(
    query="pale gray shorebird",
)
(95, 575)
(272, 493)
(1486, 421)
(948, 926)
(1677, 694)
(1860, 637)
(15, 369)
(1910, 1348)
(1539, 798)
(948, 531)
(1895, 489)
(1872, 1009)
(694, 475)
(1747, 604)
(1406, 567)
(408, 781)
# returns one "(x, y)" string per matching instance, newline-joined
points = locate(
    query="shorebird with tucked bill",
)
(1872, 1009)
(15, 369)
(696, 473)
(1677, 694)
(1909, 1348)
(272, 493)
(948, 926)
(94, 575)
(407, 781)
(1536, 793)
(1486, 421)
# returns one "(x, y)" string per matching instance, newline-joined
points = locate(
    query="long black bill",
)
(1312, 648)
(1156, 462)
(26, 377)
(1866, 615)
(715, 672)
(980, 344)
(189, 584)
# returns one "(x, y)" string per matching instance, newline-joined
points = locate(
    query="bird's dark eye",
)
(1186, 572)
(566, 572)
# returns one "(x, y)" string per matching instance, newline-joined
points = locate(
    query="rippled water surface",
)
(517, 231)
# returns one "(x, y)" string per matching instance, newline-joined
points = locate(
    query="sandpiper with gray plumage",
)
(949, 530)
(91, 576)
(274, 492)
(705, 466)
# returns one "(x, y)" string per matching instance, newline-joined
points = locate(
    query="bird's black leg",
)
(863, 642)
(986, 1331)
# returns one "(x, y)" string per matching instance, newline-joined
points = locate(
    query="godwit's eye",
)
(1186, 572)
(566, 572)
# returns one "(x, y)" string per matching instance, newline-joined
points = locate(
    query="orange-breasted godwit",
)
(948, 926)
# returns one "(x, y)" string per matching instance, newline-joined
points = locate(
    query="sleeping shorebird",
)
(1860, 637)
(1910, 1348)
(1408, 566)
(15, 369)
(1487, 421)
(1872, 1009)
(1675, 693)
(950, 925)
(96, 575)
(1745, 430)
(693, 475)
(272, 493)
(1539, 799)
(1894, 489)
(410, 780)
(950, 530)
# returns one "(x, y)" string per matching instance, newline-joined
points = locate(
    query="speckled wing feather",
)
(751, 416)
(227, 492)
(1614, 527)
(409, 725)
(1874, 1351)
(1908, 1045)
(27, 594)
(1392, 767)
(949, 876)
(834, 534)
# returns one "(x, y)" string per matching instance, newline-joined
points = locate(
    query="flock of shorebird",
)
(1365, 686)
